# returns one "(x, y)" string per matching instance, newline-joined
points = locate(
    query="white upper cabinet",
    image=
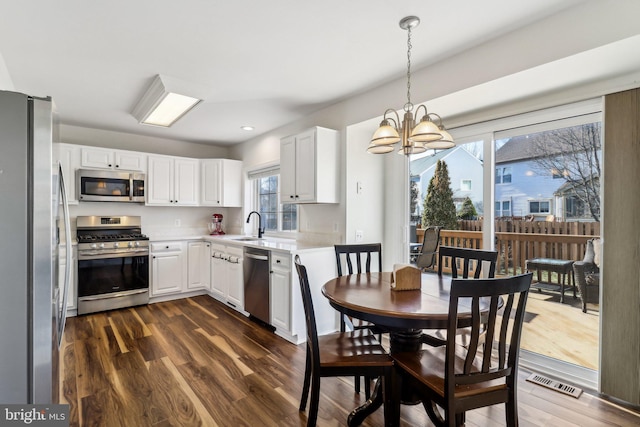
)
(221, 183)
(172, 181)
(69, 157)
(309, 167)
(103, 158)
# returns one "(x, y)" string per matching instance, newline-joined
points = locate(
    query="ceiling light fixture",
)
(415, 138)
(247, 128)
(164, 102)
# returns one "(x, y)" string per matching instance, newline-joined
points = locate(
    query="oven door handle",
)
(103, 255)
(116, 295)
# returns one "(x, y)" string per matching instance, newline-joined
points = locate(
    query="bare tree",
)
(574, 154)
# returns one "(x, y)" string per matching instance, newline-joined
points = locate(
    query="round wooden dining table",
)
(404, 313)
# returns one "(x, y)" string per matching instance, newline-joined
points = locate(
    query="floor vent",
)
(555, 385)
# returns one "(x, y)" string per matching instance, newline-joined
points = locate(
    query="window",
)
(557, 173)
(503, 208)
(539, 206)
(465, 185)
(503, 175)
(275, 216)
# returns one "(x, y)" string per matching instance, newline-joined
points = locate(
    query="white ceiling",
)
(258, 63)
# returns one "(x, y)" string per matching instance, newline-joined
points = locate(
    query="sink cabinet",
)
(226, 275)
(309, 167)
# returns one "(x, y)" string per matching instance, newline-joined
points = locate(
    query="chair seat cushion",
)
(339, 349)
(427, 366)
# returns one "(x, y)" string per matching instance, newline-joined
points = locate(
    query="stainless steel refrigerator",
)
(34, 243)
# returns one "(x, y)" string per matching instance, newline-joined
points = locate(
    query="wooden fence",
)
(518, 241)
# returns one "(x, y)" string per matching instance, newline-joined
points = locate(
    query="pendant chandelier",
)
(415, 139)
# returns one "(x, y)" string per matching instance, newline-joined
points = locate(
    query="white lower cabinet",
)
(199, 268)
(227, 283)
(168, 268)
(281, 291)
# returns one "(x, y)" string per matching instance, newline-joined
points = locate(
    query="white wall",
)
(522, 71)
(125, 141)
(5, 79)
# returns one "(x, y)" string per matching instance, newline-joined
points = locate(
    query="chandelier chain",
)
(408, 106)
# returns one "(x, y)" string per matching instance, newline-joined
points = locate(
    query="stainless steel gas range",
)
(113, 263)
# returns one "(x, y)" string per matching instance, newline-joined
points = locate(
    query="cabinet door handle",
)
(109, 164)
(291, 196)
(117, 166)
(277, 261)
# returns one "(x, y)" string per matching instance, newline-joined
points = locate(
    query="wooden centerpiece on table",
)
(405, 277)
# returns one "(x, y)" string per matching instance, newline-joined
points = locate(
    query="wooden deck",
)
(562, 331)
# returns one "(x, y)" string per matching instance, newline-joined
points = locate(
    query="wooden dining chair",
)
(459, 379)
(468, 260)
(358, 258)
(339, 354)
(465, 263)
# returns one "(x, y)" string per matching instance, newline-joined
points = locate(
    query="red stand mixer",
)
(215, 226)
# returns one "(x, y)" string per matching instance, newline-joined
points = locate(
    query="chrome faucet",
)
(260, 228)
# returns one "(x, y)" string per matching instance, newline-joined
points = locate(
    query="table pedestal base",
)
(401, 341)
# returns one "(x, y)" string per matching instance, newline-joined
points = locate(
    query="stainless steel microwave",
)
(110, 186)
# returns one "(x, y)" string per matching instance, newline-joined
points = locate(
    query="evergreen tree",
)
(439, 209)
(468, 210)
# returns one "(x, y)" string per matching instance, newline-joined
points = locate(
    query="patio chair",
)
(459, 379)
(587, 273)
(429, 249)
(338, 354)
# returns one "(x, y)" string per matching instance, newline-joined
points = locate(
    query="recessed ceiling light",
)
(247, 128)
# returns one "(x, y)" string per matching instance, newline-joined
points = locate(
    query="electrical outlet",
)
(359, 235)
(177, 223)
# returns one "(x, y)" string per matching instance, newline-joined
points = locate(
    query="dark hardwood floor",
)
(195, 362)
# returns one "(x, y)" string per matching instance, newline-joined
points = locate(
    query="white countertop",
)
(272, 243)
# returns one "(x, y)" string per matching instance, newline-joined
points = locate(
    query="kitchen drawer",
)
(166, 247)
(280, 261)
(234, 251)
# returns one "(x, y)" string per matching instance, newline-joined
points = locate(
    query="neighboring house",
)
(523, 188)
(465, 173)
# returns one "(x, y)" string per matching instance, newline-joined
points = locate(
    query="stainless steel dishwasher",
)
(257, 283)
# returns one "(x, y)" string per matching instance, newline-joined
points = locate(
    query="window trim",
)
(254, 198)
(539, 201)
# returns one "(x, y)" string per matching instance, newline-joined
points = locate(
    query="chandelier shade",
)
(414, 138)
(385, 134)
